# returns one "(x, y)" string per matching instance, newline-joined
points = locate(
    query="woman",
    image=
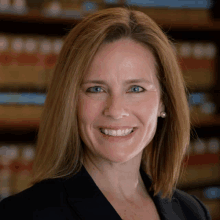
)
(114, 130)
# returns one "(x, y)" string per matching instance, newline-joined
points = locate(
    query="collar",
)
(88, 202)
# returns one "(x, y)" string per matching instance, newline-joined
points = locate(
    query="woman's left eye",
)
(139, 87)
(95, 87)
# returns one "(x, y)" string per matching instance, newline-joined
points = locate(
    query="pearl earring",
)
(163, 114)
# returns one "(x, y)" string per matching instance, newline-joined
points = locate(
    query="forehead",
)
(125, 59)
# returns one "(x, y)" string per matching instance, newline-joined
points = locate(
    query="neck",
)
(121, 180)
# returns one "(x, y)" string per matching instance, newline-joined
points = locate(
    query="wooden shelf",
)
(37, 17)
(206, 121)
(18, 136)
(202, 159)
(198, 186)
(190, 19)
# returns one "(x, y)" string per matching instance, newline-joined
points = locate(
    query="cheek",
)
(87, 110)
(147, 105)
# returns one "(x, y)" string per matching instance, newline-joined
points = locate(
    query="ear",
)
(161, 108)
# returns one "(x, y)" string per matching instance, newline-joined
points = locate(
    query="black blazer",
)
(79, 198)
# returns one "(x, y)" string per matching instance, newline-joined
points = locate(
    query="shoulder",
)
(36, 197)
(191, 204)
(44, 190)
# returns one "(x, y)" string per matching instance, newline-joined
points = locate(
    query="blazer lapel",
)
(167, 209)
(86, 198)
(88, 202)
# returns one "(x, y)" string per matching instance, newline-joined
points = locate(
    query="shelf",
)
(200, 171)
(202, 159)
(199, 186)
(36, 17)
(206, 121)
(189, 19)
(12, 88)
(18, 136)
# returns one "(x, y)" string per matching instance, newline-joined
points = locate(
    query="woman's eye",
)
(139, 87)
(95, 89)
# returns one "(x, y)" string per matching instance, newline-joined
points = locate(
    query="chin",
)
(118, 158)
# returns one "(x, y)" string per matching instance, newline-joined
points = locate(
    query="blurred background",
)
(31, 37)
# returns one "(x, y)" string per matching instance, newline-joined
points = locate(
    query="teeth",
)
(116, 132)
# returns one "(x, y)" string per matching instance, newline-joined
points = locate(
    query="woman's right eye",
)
(94, 89)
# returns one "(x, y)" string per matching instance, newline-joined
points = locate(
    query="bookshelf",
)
(192, 29)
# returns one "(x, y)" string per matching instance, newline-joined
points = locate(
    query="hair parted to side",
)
(59, 151)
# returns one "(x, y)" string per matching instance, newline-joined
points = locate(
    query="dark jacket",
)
(79, 198)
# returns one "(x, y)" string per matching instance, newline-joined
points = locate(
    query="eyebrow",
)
(142, 80)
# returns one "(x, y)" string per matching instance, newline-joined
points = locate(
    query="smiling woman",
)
(114, 130)
(116, 66)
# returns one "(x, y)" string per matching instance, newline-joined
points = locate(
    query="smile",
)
(118, 139)
(117, 132)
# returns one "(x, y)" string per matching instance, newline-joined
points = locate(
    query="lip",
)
(117, 127)
(115, 139)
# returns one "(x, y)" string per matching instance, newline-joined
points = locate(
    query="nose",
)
(115, 108)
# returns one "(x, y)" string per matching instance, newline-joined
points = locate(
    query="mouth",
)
(118, 139)
(133, 129)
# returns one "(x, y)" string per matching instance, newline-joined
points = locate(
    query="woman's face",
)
(117, 103)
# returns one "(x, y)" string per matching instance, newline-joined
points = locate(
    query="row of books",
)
(201, 104)
(203, 146)
(32, 43)
(56, 7)
(64, 8)
(198, 63)
(16, 163)
(21, 55)
(15, 168)
(27, 61)
(198, 50)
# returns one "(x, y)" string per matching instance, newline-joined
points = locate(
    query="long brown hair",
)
(59, 151)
